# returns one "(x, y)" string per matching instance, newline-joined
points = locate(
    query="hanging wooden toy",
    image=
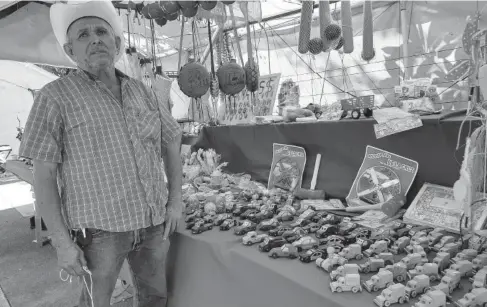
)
(315, 45)
(368, 52)
(325, 21)
(169, 7)
(251, 67)
(208, 5)
(347, 30)
(190, 10)
(305, 27)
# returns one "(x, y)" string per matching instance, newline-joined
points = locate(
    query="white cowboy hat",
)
(63, 14)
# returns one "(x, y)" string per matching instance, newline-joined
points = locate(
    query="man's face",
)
(92, 43)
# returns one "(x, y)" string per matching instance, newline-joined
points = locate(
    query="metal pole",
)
(214, 39)
(404, 32)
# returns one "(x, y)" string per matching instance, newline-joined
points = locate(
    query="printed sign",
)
(397, 125)
(382, 176)
(287, 167)
(243, 107)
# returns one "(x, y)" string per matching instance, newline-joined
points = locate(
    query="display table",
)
(342, 146)
(214, 269)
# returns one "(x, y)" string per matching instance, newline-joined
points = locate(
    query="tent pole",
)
(404, 30)
(214, 39)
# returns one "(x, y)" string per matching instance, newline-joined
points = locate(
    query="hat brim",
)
(62, 15)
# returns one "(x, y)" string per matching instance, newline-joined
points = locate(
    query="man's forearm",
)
(174, 171)
(48, 204)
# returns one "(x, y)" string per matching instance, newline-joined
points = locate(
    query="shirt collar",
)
(90, 77)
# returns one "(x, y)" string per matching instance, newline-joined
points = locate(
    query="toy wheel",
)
(339, 289)
(355, 289)
(389, 262)
(274, 256)
(359, 257)
(413, 294)
(292, 256)
(389, 284)
(401, 300)
(356, 114)
(375, 288)
(366, 270)
(210, 227)
(400, 278)
(426, 289)
(368, 112)
(344, 114)
(432, 278)
(387, 303)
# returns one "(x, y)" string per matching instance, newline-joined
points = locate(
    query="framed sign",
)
(243, 107)
(287, 167)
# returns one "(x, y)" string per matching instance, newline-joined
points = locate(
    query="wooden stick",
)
(315, 172)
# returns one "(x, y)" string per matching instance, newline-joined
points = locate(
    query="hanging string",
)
(212, 64)
(181, 44)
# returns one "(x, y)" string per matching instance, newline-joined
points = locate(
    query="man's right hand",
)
(71, 258)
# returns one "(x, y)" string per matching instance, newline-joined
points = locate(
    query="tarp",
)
(17, 80)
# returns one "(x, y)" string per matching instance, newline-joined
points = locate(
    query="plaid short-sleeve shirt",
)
(110, 152)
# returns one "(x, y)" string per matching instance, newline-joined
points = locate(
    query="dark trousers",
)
(146, 253)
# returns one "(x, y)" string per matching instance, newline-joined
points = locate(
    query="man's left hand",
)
(174, 213)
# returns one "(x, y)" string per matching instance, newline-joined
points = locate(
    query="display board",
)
(243, 107)
(287, 166)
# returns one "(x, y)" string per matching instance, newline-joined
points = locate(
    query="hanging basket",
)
(194, 80)
(315, 45)
(170, 7)
(187, 4)
(251, 76)
(154, 11)
(173, 16)
(189, 12)
(340, 44)
(208, 5)
(333, 32)
(161, 21)
(231, 78)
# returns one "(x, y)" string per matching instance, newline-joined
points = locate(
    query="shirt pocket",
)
(148, 125)
(76, 118)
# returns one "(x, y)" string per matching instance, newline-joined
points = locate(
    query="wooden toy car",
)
(270, 243)
(349, 282)
(332, 240)
(197, 214)
(443, 241)
(227, 224)
(220, 218)
(300, 222)
(279, 231)
(262, 215)
(245, 227)
(429, 269)
(310, 255)
(353, 251)
(307, 214)
(312, 227)
(250, 215)
(400, 245)
(285, 216)
(381, 280)
(240, 209)
(422, 242)
(383, 234)
(465, 268)
(376, 248)
(268, 224)
(479, 262)
(193, 222)
(357, 233)
(387, 257)
(393, 294)
(436, 235)
(466, 254)
(326, 230)
(332, 219)
(343, 270)
(286, 250)
(425, 229)
(305, 243)
(399, 271)
(442, 259)
(479, 280)
(432, 298)
(372, 265)
(253, 237)
(365, 243)
(318, 216)
(419, 284)
(412, 260)
(330, 248)
(449, 282)
(451, 248)
(357, 106)
(201, 227)
(404, 231)
(476, 297)
(331, 262)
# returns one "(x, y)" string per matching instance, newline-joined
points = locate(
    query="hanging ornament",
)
(172, 17)
(228, 2)
(368, 52)
(170, 7)
(347, 30)
(315, 45)
(325, 20)
(189, 12)
(231, 78)
(305, 26)
(333, 32)
(145, 12)
(194, 79)
(340, 44)
(187, 4)
(154, 11)
(251, 68)
(208, 5)
(161, 21)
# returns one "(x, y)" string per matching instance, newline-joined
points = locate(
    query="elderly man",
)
(97, 139)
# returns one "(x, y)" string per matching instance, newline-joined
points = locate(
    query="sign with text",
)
(288, 162)
(382, 176)
(243, 107)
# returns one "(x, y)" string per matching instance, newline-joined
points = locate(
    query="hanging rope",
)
(181, 44)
